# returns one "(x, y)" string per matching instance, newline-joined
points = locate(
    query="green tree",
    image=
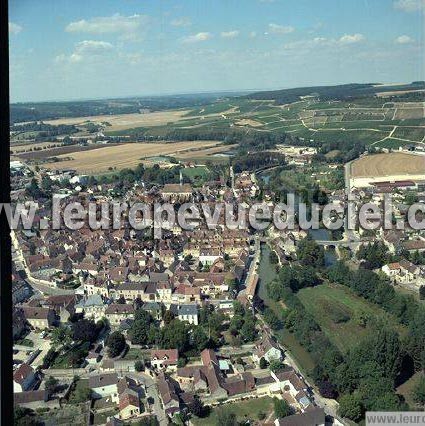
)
(226, 418)
(276, 366)
(139, 332)
(80, 394)
(197, 408)
(238, 308)
(51, 384)
(175, 335)
(248, 331)
(61, 336)
(281, 408)
(271, 319)
(309, 253)
(24, 417)
(350, 406)
(85, 330)
(263, 363)
(199, 338)
(116, 344)
(168, 317)
(139, 365)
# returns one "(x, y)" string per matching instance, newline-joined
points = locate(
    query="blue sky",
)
(99, 48)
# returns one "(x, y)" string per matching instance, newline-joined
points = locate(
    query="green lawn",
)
(101, 418)
(244, 410)
(336, 309)
(134, 353)
(198, 174)
(25, 342)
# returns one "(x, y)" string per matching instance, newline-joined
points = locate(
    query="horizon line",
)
(210, 92)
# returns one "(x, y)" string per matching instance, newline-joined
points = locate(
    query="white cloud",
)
(323, 42)
(253, 34)
(230, 34)
(202, 36)
(351, 38)
(181, 22)
(281, 29)
(409, 5)
(310, 44)
(132, 58)
(86, 49)
(14, 28)
(108, 24)
(404, 39)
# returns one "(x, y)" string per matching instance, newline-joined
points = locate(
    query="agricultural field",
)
(131, 154)
(214, 153)
(126, 121)
(411, 133)
(340, 313)
(19, 148)
(391, 164)
(384, 121)
(42, 154)
(406, 112)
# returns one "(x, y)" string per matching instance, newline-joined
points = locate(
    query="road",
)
(151, 392)
(330, 406)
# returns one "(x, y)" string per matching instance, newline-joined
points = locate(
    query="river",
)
(267, 273)
(316, 234)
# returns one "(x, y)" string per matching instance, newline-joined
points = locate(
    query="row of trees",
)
(257, 160)
(177, 334)
(365, 377)
(382, 360)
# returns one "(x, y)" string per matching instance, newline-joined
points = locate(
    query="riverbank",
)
(267, 273)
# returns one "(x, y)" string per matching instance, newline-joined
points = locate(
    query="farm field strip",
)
(395, 163)
(126, 121)
(131, 154)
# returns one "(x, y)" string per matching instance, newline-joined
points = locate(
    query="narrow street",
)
(152, 392)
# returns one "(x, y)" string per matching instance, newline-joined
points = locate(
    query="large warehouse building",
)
(392, 169)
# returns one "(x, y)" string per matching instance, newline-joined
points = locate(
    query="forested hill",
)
(35, 111)
(326, 93)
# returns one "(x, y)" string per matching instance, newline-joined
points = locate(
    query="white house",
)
(23, 378)
(103, 385)
(92, 307)
(402, 272)
(186, 312)
(267, 349)
(163, 359)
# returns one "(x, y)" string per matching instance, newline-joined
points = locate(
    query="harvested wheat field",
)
(391, 164)
(129, 155)
(126, 121)
(248, 122)
(203, 153)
